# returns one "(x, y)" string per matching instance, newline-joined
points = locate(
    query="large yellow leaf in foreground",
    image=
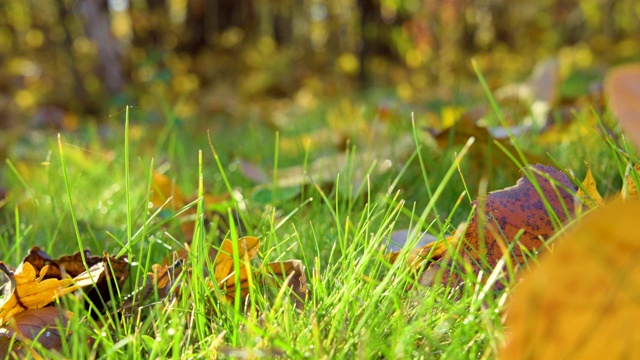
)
(582, 301)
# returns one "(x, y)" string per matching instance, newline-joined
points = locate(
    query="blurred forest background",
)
(66, 62)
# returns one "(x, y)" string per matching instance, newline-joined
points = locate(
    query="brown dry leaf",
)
(160, 281)
(581, 301)
(31, 291)
(224, 264)
(589, 197)
(42, 325)
(107, 285)
(290, 273)
(493, 230)
(70, 265)
(73, 266)
(622, 87)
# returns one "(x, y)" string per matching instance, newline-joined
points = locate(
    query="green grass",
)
(94, 194)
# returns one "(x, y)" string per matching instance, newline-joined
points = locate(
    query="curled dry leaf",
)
(622, 87)
(31, 291)
(581, 301)
(43, 325)
(495, 229)
(109, 282)
(544, 81)
(73, 265)
(289, 273)
(158, 286)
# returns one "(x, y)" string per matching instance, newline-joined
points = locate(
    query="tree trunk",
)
(97, 24)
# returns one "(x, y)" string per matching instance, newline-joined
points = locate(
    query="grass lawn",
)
(88, 190)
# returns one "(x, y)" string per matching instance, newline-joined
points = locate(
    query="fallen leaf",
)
(239, 353)
(43, 325)
(159, 283)
(622, 87)
(74, 265)
(398, 240)
(290, 273)
(31, 291)
(581, 301)
(326, 169)
(589, 197)
(106, 287)
(495, 229)
(71, 265)
(630, 187)
(164, 189)
(427, 248)
(224, 273)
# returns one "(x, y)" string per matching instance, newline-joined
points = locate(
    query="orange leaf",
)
(32, 291)
(581, 301)
(224, 265)
(163, 189)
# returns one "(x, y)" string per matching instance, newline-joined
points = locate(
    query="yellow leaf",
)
(590, 196)
(30, 291)
(163, 189)
(247, 249)
(450, 115)
(581, 301)
(630, 189)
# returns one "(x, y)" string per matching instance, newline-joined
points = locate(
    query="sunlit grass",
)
(360, 305)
